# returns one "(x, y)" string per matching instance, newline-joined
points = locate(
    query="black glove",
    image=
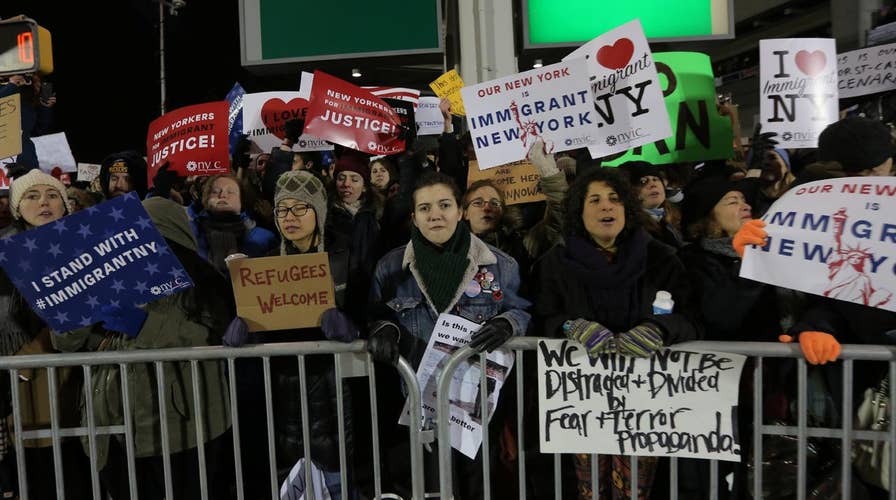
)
(383, 342)
(241, 158)
(759, 145)
(491, 335)
(164, 180)
(293, 129)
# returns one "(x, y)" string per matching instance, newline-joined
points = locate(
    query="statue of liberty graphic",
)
(847, 277)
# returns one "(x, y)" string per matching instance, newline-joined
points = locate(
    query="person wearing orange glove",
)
(818, 347)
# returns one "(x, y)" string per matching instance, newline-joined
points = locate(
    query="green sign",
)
(565, 22)
(699, 131)
(276, 31)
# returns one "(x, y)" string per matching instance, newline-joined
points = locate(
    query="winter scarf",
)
(719, 246)
(224, 235)
(613, 287)
(442, 268)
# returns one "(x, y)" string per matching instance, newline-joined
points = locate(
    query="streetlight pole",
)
(173, 6)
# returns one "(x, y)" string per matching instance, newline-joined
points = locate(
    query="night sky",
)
(106, 62)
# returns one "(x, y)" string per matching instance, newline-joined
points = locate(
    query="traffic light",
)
(25, 47)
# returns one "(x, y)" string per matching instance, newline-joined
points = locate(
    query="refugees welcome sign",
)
(108, 254)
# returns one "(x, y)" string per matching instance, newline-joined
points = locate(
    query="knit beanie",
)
(701, 196)
(781, 152)
(353, 161)
(303, 186)
(34, 177)
(125, 162)
(856, 142)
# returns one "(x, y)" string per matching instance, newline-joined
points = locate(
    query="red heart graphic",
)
(275, 113)
(616, 56)
(811, 63)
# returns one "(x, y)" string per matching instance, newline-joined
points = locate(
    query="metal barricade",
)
(350, 360)
(757, 350)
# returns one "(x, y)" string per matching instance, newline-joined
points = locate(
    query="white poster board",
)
(677, 403)
(266, 113)
(428, 117)
(867, 71)
(628, 100)
(835, 238)
(505, 116)
(54, 152)
(797, 89)
(450, 334)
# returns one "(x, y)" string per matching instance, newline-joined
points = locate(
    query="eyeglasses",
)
(479, 203)
(295, 210)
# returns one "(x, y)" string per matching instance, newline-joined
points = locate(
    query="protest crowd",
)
(620, 256)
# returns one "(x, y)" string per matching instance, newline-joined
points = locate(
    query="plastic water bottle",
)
(663, 303)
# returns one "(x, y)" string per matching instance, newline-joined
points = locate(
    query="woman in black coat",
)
(598, 286)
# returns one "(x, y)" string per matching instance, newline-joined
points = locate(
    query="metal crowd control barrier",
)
(758, 350)
(350, 360)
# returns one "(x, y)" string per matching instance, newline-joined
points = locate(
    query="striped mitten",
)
(594, 336)
(641, 341)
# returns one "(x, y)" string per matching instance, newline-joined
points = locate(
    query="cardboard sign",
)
(448, 86)
(798, 89)
(54, 153)
(429, 117)
(507, 115)
(834, 238)
(677, 403)
(193, 138)
(700, 132)
(279, 293)
(107, 254)
(866, 71)
(519, 181)
(235, 116)
(10, 126)
(353, 117)
(627, 95)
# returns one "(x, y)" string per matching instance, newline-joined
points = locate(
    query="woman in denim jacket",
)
(444, 269)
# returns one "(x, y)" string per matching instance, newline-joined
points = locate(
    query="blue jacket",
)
(397, 286)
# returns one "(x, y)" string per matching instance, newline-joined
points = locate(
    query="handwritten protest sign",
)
(798, 89)
(10, 126)
(265, 115)
(627, 95)
(277, 293)
(834, 238)
(107, 254)
(353, 117)
(866, 71)
(465, 397)
(235, 116)
(88, 171)
(507, 115)
(700, 132)
(519, 181)
(448, 86)
(54, 153)
(429, 118)
(193, 138)
(677, 403)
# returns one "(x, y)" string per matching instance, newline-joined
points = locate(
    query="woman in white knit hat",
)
(36, 199)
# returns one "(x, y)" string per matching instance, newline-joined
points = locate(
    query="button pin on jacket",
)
(473, 289)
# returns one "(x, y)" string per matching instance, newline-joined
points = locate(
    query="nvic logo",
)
(379, 148)
(170, 286)
(203, 166)
(585, 140)
(800, 136)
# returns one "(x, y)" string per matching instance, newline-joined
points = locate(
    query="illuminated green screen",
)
(578, 21)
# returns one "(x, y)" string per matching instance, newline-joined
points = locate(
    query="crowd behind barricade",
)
(407, 239)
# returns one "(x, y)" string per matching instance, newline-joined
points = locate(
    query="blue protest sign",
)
(235, 116)
(108, 254)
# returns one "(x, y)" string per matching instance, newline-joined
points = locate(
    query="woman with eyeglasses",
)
(300, 209)
(491, 220)
(663, 220)
(223, 227)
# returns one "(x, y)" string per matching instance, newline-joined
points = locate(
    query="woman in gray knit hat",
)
(300, 209)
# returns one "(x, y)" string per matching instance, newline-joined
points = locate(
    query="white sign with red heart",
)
(798, 89)
(628, 101)
(265, 115)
